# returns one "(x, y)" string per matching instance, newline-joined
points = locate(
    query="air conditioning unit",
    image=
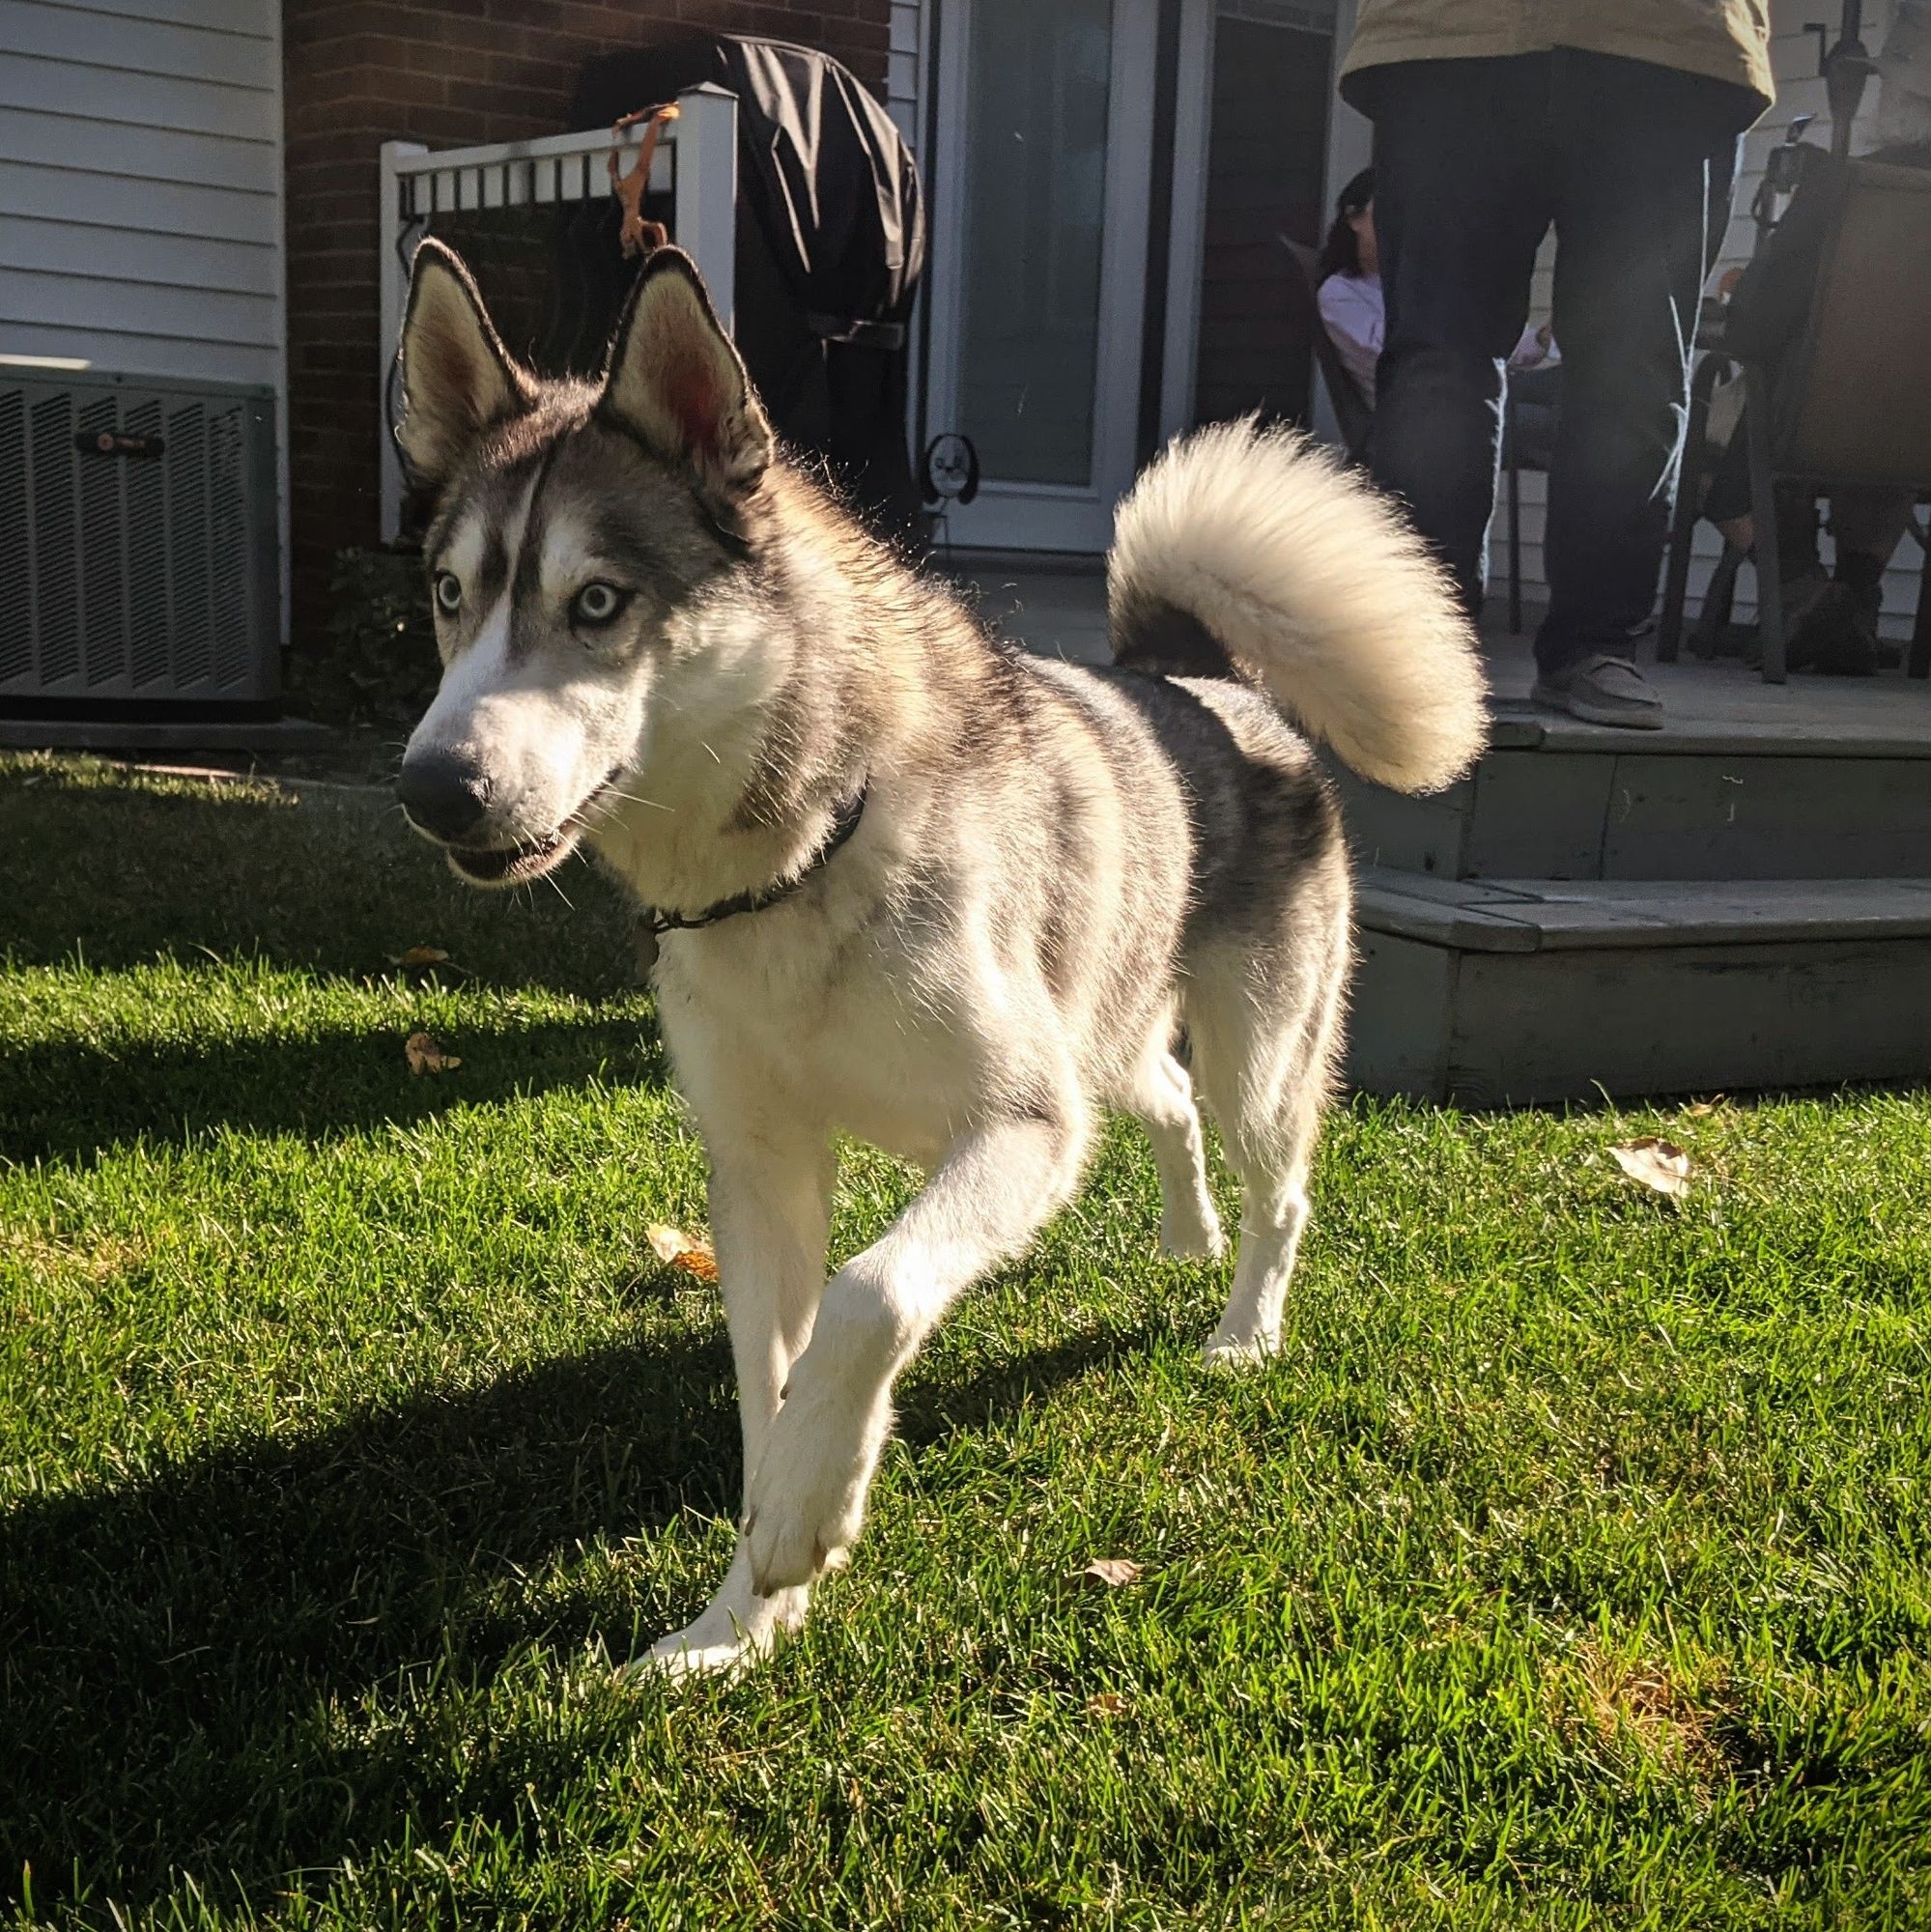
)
(138, 544)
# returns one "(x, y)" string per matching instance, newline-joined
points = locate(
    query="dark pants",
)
(1474, 159)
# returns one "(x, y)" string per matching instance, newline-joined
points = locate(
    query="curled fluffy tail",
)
(1313, 584)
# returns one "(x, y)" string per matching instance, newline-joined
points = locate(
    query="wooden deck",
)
(1726, 706)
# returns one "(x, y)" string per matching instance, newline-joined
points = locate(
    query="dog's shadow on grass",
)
(77, 1098)
(168, 1648)
(182, 1657)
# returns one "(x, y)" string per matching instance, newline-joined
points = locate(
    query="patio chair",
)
(1518, 455)
(1847, 404)
(1700, 456)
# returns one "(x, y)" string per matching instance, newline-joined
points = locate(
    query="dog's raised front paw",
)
(807, 1502)
(801, 1527)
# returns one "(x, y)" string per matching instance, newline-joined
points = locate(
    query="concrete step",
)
(1521, 991)
(1612, 804)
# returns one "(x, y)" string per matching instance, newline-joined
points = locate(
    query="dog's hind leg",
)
(1160, 1096)
(995, 1186)
(771, 1196)
(1265, 1032)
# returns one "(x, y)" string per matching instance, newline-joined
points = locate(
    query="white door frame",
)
(1038, 516)
(1186, 226)
(1350, 147)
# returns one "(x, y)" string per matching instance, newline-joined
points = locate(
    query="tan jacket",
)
(1725, 39)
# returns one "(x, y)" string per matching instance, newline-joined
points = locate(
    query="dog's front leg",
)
(984, 1202)
(770, 1215)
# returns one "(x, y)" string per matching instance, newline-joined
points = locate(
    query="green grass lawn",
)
(1571, 1566)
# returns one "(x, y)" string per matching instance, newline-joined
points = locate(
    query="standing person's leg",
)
(1461, 204)
(1633, 205)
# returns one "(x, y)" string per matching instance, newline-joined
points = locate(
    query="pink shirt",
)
(1355, 317)
(1351, 312)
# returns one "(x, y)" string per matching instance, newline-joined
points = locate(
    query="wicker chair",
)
(1851, 402)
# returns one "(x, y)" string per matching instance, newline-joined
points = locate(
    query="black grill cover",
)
(828, 261)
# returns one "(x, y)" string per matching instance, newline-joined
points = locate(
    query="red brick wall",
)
(446, 73)
(1266, 165)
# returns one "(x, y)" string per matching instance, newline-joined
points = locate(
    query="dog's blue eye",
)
(597, 604)
(448, 592)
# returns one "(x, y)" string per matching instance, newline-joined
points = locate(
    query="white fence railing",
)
(696, 163)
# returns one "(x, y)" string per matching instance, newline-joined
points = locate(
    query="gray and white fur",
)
(665, 644)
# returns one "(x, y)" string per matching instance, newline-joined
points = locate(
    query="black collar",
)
(657, 921)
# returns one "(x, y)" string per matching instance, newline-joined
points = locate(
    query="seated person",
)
(1355, 317)
(1831, 623)
(1350, 293)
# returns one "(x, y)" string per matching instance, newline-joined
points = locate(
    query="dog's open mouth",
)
(529, 858)
(512, 864)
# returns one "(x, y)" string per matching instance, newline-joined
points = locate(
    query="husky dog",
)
(911, 883)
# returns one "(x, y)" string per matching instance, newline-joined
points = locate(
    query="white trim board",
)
(1186, 229)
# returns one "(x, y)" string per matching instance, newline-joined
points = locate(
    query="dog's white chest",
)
(867, 1043)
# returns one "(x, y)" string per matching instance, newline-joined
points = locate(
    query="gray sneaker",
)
(1601, 691)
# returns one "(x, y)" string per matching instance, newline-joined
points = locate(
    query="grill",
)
(137, 542)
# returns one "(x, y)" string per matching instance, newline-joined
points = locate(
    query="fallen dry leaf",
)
(1114, 1572)
(425, 1055)
(675, 1248)
(420, 955)
(1657, 1164)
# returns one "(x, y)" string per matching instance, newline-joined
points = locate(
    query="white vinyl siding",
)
(902, 91)
(140, 185)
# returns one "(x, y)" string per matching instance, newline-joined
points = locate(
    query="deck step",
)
(1517, 991)
(1557, 915)
(1728, 711)
(1610, 810)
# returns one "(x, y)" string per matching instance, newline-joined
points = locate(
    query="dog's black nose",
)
(443, 792)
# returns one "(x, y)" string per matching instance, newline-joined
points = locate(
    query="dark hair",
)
(1341, 252)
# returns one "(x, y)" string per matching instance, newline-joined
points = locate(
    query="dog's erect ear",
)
(457, 376)
(676, 382)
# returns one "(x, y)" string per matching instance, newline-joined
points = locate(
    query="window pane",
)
(1038, 76)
